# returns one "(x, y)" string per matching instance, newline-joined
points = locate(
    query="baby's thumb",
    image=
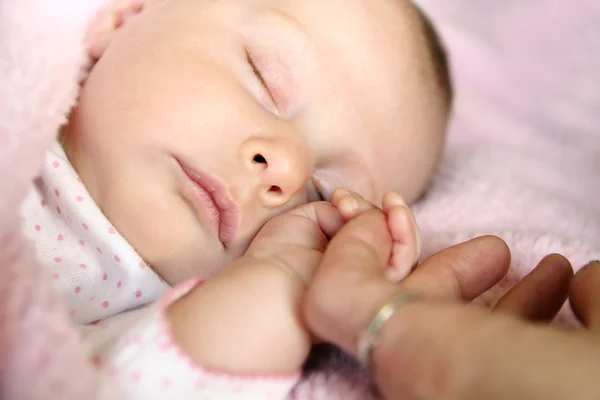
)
(352, 267)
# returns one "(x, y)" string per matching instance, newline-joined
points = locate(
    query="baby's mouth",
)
(211, 196)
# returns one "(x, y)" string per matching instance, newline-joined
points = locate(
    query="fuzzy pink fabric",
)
(41, 58)
(523, 157)
(523, 154)
(522, 162)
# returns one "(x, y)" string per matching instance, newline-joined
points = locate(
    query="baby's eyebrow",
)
(291, 23)
(287, 17)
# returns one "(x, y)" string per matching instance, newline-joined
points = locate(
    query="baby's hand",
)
(403, 228)
(296, 240)
(281, 260)
(260, 293)
(247, 318)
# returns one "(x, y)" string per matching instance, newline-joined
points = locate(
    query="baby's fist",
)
(401, 222)
(295, 241)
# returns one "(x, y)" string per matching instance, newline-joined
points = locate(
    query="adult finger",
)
(349, 286)
(448, 351)
(539, 296)
(350, 283)
(585, 295)
(462, 272)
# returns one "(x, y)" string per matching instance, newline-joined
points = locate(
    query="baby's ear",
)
(107, 22)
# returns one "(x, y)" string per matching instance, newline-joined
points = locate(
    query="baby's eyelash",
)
(255, 70)
(259, 75)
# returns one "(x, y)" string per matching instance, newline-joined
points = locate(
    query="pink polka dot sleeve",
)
(137, 355)
(119, 301)
(96, 271)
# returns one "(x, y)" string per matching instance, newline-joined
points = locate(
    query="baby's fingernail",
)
(340, 192)
(395, 199)
(351, 203)
(593, 264)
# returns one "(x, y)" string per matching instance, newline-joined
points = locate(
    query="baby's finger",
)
(350, 204)
(338, 193)
(405, 252)
(323, 213)
(309, 226)
(350, 207)
(393, 200)
(405, 233)
(350, 272)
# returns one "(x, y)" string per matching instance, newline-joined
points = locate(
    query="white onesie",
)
(119, 301)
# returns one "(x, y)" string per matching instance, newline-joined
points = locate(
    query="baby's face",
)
(202, 120)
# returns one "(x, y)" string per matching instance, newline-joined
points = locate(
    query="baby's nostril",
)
(259, 159)
(275, 190)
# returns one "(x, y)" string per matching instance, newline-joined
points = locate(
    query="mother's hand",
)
(440, 348)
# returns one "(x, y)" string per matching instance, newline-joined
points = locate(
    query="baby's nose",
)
(282, 167)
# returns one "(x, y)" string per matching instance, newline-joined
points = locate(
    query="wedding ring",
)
(369, 338)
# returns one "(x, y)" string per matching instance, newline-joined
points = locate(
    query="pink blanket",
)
(522, 162)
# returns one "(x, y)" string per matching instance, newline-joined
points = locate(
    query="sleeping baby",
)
(193, 189)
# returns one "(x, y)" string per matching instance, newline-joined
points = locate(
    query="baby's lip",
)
(217, 204)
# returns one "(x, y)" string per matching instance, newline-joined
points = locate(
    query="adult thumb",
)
(349, 286)
(355, 259)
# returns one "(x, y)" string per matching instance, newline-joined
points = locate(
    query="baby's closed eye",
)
(272, 75)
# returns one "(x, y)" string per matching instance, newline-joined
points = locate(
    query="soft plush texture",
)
(523, 157)
(523, 154)
(41, 57)
(522, 162)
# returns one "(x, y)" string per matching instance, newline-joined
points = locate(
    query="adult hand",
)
(439, 348)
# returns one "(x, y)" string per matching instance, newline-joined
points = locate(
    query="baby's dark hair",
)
(437, 57)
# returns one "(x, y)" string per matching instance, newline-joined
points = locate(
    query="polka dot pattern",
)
(83, 251)
(102, 279)
(146, 359)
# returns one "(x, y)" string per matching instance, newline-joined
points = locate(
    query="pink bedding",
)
(522, 162)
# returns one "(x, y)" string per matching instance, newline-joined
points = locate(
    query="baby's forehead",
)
(374, 42)
(367, 17)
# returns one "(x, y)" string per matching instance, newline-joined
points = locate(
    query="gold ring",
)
(369, 338)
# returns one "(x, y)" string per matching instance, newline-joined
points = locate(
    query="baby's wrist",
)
(244, 320)
(273, 267)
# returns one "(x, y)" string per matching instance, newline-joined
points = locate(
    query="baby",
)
(199, 123)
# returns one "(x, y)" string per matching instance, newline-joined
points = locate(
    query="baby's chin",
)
(63, 136)
(67, 140)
